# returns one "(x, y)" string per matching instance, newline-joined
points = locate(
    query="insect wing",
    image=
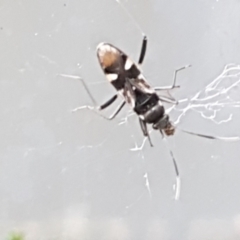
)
(141, 84)
(128, 93)
(136, 91)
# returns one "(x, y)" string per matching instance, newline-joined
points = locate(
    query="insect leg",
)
(104, 105)
(96, 108)
(118, 109)
(145, 131)
(174, 80)
(175, 74)
(108, 103)
(143, 50)
(168, 100)
(164, 88)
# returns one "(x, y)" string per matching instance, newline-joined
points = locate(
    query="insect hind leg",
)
(145, 130)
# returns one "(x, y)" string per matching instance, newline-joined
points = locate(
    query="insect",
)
(131, 85)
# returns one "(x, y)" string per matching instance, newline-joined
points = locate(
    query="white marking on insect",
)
(128, 64)
(111, 77)
(102, 45)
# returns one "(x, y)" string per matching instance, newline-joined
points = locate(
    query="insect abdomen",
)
(154, 114)
(148, 106)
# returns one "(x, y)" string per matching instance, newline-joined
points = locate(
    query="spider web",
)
(218, 96)
(55, 179)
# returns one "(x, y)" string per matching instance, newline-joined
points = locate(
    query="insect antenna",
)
(227, 139)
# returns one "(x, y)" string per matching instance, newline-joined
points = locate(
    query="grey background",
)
(67, 175)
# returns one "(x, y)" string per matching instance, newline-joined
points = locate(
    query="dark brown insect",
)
(127, 79)
(130, 83)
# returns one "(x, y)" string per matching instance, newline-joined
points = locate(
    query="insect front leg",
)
(97, 108)
(145, 131)
(170, 100)
(108, 103)
(143, 50)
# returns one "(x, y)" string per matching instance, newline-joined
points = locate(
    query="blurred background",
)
(73, 175)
